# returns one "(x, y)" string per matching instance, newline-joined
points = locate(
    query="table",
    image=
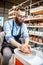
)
(27, 59)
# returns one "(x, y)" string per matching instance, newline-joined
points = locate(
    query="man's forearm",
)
(14, 42)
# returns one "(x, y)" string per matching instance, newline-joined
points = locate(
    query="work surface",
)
(29, 59)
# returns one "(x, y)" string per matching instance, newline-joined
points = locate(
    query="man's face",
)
(21, 16)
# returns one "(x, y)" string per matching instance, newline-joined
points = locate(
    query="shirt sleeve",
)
(25, 31)
(7, 30)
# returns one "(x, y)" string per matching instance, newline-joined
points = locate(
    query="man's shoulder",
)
(23, 24)
(9, 21)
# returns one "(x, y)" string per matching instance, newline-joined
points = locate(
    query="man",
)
(14, 29)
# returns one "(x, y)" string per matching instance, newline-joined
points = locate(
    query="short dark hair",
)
(20, 8)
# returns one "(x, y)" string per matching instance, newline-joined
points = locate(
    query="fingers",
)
(25, 49)
(29, 46)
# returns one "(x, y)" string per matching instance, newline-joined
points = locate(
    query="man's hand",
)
(29, 48)
(25, 49)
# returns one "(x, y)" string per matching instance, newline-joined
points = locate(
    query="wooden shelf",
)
(36, 42)
(34, 19)
(35, 26)
(11, 12)
(11, 16)
(37, 10)
(33, 4)
(36, 34)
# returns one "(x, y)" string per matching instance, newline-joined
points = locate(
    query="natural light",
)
(1, 21)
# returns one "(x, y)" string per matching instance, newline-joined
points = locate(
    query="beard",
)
(17, 22)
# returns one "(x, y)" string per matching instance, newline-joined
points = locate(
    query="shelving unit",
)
(37, 10)
(35, 33)
(36, 42)
(35, 21)
(35, 26)
(34, 18)
(12, 12)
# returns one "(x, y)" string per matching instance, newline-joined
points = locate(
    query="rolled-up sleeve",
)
(7, 30)
(26, 35)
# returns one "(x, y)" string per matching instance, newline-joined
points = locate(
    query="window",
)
(1, 21)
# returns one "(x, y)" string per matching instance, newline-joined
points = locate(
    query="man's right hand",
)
(25, 49)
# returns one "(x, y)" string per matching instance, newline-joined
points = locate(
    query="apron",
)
(17, 36)
(6, 44)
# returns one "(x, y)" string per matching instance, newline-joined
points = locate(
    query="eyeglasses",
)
(21, 16)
